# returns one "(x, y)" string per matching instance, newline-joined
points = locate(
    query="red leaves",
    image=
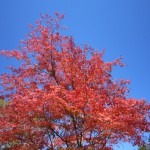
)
(15, 53)
(59, 98)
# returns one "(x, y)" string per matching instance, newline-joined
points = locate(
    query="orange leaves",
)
(64, 96)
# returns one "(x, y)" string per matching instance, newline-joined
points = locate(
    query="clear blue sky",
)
(122, 27)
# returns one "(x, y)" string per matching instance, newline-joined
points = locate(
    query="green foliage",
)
(147, 147)
(3, 103)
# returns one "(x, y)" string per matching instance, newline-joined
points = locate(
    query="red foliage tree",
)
(63, 96)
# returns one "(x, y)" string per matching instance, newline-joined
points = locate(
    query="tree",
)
(63, 96)
(146, 146)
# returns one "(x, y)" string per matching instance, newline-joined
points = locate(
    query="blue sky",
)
(122, 27)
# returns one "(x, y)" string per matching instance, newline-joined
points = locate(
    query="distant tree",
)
(2, 103)
(146, 146)
(63, 96)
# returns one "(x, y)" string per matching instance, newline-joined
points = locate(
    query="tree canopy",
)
(63, 96)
